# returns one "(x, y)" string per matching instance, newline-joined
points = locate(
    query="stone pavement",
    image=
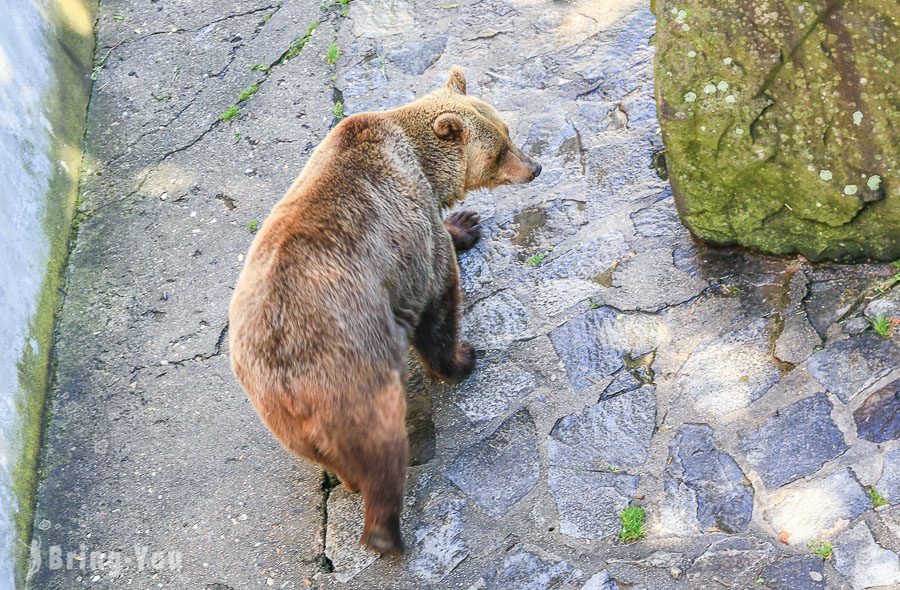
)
(744, 401)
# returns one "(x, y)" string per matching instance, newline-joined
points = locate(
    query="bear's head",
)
(491, 158)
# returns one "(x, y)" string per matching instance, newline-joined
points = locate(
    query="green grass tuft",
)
(882, 325)
(258, 67)
(333, 54)
(536, 260)
(821, 548)
(632, 519)
(877, 499)
(338, 110)
(230, 113)
(298, 45)
(253, 226)
(248, 92)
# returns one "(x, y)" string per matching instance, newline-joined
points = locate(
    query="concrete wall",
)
(46, 53)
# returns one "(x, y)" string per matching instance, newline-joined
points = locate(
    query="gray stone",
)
(611, 434)
(854, 326)
(590, 455)
(804, 572)
(658, 220)
(649, 282)
(711, 478)
(474, 273)
(439, 542)
(878, 417)
(419, 417)
(600, 581)
(496, 322)
(382, 19)
(794, 442)
(830, 300)
(798, 338)
(731, 371)
(414, 57)
(589, 502)
(553, 296)
(493, 390)
(848, 367)
(863, 562)
(588, 260)
(889, 483)
(887, 305)
(342, 534)
(732, 562)
(501, 469)
(819, 509)
(526, 569)
(626, 381)
(592, 346)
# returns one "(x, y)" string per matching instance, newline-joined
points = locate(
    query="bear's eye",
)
(499, 157)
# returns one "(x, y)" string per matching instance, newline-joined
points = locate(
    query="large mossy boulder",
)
(781, 122)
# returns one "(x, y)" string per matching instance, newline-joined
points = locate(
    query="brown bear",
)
(352, 266)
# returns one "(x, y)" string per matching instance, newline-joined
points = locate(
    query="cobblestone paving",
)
(744, 401)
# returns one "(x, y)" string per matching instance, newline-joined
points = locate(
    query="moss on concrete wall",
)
(71, 50)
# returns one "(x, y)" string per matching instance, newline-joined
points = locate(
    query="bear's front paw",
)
(464, 228)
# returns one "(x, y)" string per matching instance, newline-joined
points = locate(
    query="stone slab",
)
(795, 442)
(863, 562)
(848, 367)
(819, 509)
(701, 476)
(878, 417)
(509, 455)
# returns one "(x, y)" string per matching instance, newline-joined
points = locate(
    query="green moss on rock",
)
(780, 123)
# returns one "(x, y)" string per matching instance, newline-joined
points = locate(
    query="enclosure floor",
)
(743, 401)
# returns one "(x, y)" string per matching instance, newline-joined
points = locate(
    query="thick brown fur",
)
(353, 265)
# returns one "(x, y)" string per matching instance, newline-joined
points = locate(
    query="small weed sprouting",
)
(877, 499)
(344, 4)
(821, 548)
(536, 260)
(298, 45)
(253, 226)
(333, 53)
(450, 6)
(258, 67)
(338, 110)
(248, 92)
(632, 519)
(230, 113)
(882, 325)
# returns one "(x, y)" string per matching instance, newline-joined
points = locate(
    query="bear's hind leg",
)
(373, 452)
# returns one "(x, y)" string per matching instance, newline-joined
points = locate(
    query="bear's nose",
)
(537, 170)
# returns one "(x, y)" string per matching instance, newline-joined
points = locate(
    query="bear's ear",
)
(456, 83)
(450, 127)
